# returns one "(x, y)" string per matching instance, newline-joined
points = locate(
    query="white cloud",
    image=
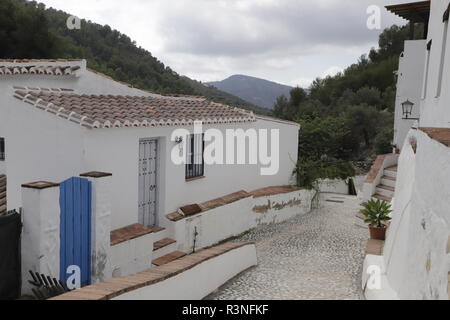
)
(289, 41)
(332, 71)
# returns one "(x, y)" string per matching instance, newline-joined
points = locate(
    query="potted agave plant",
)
(376, 212)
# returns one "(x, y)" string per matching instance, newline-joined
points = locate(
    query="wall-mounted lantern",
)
(407, 108)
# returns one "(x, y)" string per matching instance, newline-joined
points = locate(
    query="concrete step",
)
(159, 233)
(168, 258)
(163, 247)
(381, 197)
(391, 172)
(388, 181)
(385, 191)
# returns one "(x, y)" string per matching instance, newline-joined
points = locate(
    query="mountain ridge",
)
(258, 91)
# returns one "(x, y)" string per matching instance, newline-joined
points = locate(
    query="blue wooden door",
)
(75, 231)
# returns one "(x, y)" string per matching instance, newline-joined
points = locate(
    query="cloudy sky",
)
(288, 41)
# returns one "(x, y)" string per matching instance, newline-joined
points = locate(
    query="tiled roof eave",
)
(109, 111)
(60, 71)
(58, 111)
(130, 124)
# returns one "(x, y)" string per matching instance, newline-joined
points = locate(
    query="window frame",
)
(2, 149)
(195, 153)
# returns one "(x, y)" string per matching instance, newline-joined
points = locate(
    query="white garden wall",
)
(416, 254)
(199, 281)
(216, 225)
(132, 256)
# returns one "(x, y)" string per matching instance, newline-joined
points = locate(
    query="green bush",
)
(383, 142)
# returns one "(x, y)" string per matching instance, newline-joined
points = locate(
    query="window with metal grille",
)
(2, 148)
(195, 145)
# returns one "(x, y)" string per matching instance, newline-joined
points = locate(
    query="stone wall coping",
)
(118, 286)
(40, 185)
(96, 174)
(236, 196)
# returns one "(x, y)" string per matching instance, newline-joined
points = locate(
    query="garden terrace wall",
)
(262, 206)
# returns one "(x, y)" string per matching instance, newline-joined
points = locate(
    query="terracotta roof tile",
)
(107, 111)
(48, 70)
(441, 135)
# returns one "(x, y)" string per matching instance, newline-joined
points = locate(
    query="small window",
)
(2, 148)
(195, 145)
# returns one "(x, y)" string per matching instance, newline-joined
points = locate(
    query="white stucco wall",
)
(41, 146)
(199, 281)
(132, 256)
(333, 186)
(416, 257)
(216, 225)
(40, 246)
(434, 109)
(409, 87)
(116, 150)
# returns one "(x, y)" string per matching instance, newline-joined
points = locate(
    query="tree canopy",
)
(29, 30)
(347, 118)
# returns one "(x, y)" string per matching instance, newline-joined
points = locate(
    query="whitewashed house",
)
(415, 260)
(59, 120)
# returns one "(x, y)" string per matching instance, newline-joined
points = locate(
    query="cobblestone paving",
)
(315, 256)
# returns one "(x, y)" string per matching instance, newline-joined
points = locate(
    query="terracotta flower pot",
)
(377, 233)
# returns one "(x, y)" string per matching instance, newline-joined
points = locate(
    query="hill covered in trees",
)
(29, 30)
(347, 118)
(255, 90)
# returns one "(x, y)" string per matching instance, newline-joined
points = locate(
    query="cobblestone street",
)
(315, 256)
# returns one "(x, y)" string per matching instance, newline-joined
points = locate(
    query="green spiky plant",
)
(376, 212)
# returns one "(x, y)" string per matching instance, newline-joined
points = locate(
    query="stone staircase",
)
(2, 194)
(386, 189)
(164, 249)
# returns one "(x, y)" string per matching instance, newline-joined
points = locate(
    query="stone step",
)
(388, 181)
(381, 197)
(132, 232)
(168, 258)
(391, 172)
(2, 201)
(163, 247)
(159, 233)
(3, 209)
(385, 191)
(162, 243)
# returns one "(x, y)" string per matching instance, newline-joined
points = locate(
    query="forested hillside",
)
(347, 118)
(29, 30)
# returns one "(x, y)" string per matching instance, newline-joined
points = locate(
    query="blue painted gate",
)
(75, 228)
